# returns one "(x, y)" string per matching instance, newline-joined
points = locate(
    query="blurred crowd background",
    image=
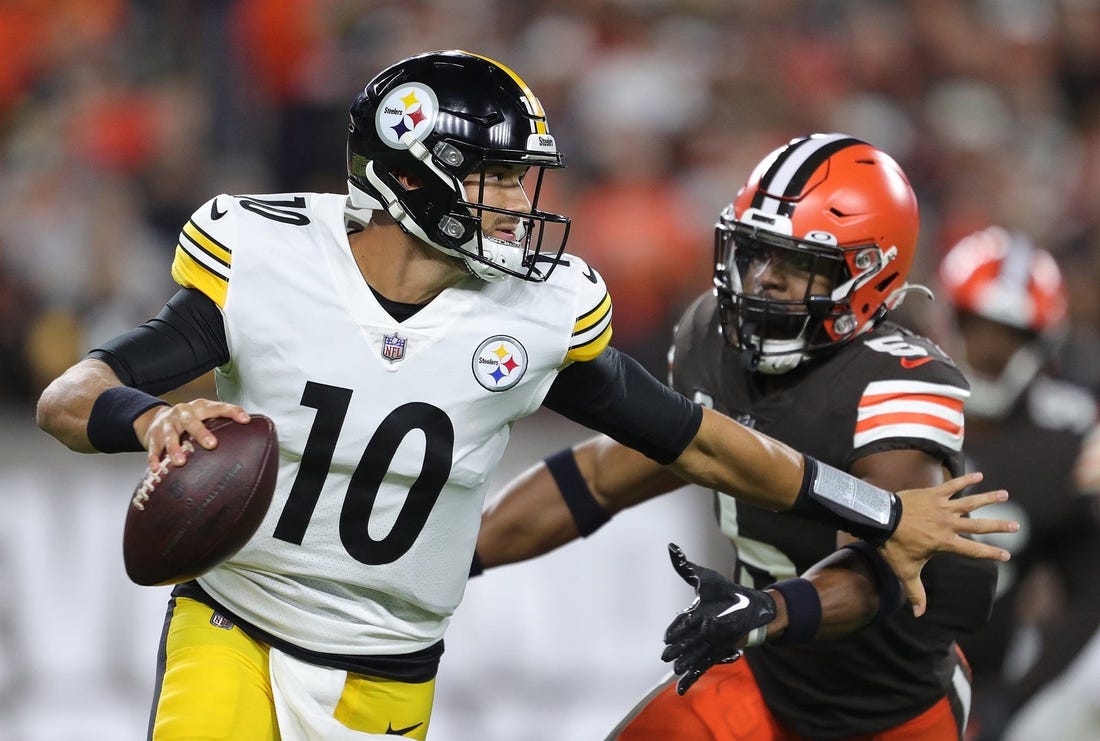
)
(119, 117)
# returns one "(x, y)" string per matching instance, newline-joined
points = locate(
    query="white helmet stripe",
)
(787, 176)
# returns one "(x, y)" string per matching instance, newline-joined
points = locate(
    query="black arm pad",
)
(587, 513)
(185, 340)
(615, 395)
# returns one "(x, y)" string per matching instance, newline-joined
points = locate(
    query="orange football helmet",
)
(1004, 277)
(827, 204)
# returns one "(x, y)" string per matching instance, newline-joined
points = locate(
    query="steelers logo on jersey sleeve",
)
(499, 363)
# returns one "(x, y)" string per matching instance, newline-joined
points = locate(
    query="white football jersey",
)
(388, 432)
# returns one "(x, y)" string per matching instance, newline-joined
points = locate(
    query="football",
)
(185, 520)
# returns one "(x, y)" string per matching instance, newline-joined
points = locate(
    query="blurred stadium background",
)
(119, 117)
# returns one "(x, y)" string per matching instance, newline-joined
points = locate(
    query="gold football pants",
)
(213, 683)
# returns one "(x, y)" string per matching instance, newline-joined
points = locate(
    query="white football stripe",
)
(964, 690)
(947, 439)
(916, 387)
(796, 157)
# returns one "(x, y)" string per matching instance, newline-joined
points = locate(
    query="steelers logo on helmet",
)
(410, 108)
(499, 362)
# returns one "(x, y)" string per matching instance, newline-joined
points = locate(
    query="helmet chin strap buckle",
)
(844, 324)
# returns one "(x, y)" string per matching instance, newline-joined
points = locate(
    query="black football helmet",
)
(437, 118)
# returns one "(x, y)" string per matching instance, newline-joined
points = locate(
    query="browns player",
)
(1026, 428)
(795, 342)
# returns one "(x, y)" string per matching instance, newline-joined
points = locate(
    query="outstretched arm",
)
(532, 515)
(615, 395)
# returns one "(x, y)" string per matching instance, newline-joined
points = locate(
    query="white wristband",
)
(757, 636)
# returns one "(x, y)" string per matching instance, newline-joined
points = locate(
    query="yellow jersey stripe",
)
(208, 244)
(593, 317)
(591, 332)
(592, 348)
(190, 273)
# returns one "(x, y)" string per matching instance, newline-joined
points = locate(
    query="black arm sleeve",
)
(615, 395)
(185, 340)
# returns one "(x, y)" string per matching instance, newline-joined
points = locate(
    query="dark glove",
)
(710, 630)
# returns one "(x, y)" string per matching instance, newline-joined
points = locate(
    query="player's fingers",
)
(914, 592)
(165, 432)
(977, 501)
(974, 549)
(205, 409)
(682, 624)
(684, 567)
(730, 659)
(983, 525)
(153, 455)
(191, 420)
(156, 435)
(212, 409)
(694, 655)
(688, 679)
(951, 487)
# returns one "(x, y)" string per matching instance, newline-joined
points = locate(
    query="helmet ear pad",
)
(421, 192)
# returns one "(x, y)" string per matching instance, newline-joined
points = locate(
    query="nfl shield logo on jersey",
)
(393, 347)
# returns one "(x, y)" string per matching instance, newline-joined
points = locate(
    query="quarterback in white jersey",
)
(394, 335)
(408, 418)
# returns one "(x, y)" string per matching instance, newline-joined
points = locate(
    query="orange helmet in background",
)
(832, 205)
(1004, 277)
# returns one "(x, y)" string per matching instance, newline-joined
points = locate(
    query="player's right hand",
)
(166, 426)
(714, 627)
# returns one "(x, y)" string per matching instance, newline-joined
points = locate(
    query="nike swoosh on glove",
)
(713, 627)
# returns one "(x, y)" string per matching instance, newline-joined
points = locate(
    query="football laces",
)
(154, 476)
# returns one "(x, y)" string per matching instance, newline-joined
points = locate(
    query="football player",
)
(1025, 427)
(394, 334)
(794, 341)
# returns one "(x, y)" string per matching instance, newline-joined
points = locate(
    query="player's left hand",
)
(932, 522)
(715, 626)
